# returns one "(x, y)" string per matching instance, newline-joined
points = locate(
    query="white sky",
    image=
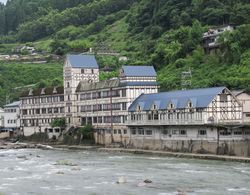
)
(3, 1)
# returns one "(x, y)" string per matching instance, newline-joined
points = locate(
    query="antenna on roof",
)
(186, 77)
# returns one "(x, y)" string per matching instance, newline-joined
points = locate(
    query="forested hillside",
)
(164, 33)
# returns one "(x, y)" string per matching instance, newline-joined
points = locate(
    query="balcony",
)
(186, 122)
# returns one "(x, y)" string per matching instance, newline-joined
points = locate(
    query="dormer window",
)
(154, 107)
(171, 106)
(54, 90)
(190, 104)
(139, 108)
(43, 91)
(31, 92)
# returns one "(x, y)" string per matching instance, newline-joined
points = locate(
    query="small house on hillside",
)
(210, 38)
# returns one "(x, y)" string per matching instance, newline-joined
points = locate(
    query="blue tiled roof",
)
(200, 98)
(82, 61)
(152, 83)
(139, 71)
(13, 104)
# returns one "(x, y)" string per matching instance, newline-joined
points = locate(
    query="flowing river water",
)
(55, 172)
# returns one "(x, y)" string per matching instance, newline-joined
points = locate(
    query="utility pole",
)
(186, 81)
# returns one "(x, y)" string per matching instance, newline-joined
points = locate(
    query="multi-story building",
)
(105, 104)
(210, 38)
(190, 120)
(244, 98)
(1, 118)
(39, 108)
(11, 116)
(77, 68)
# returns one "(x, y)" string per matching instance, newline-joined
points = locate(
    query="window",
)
(105, 94)
(92, 70)
(82, 71)
(125, 131)
(99, 119)
(55, 110)
(183, 132)
(116, 119)
(94, 119)
(49, 110)
(107, 119)
(223, 97)
(165, 132)
(124, 93)
(25, 112)
(149, 132)
(225, 133)
(43, 110)
(133, 131)
(55, 99)
(247, 132)
(119, 131)
(82, 96)
(115, 131)
(248, 115)
(38, 111)
(141, 131)
(49, 99)
(51, 130)
(62, 110)
(175, 132)
(156, 116)
(124, 106)
(61, 98)
(202, 132)
(57, 130)
(238, 132)
(68, 84)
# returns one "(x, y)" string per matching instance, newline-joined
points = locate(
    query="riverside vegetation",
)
(163, 33)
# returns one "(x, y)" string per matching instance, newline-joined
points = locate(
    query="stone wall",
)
(232, 147)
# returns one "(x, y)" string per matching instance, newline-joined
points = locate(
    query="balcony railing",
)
(147, 122)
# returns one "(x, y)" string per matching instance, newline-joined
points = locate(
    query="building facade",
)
(105, 104)
(11, 117)
(1, 118)
(77, 68)
(202, 120)
(244, 98)
(39, 108)
(211, 38)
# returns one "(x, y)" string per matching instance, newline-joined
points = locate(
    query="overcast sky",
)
(3, 1)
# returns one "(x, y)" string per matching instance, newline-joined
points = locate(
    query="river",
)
(56, 172)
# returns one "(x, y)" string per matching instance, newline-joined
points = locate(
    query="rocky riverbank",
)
(17, 145)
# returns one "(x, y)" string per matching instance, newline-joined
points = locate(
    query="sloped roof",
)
(43, 92)
(107, 84)
(82, 61)
(138, 71)
(13, 104)
(85, 86)
(200, 98)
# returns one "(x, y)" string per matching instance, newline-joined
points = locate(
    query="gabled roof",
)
(13, 104)
(200, 98)
(43, 92)
(107, 84)
(138, 71)
(82, 61)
